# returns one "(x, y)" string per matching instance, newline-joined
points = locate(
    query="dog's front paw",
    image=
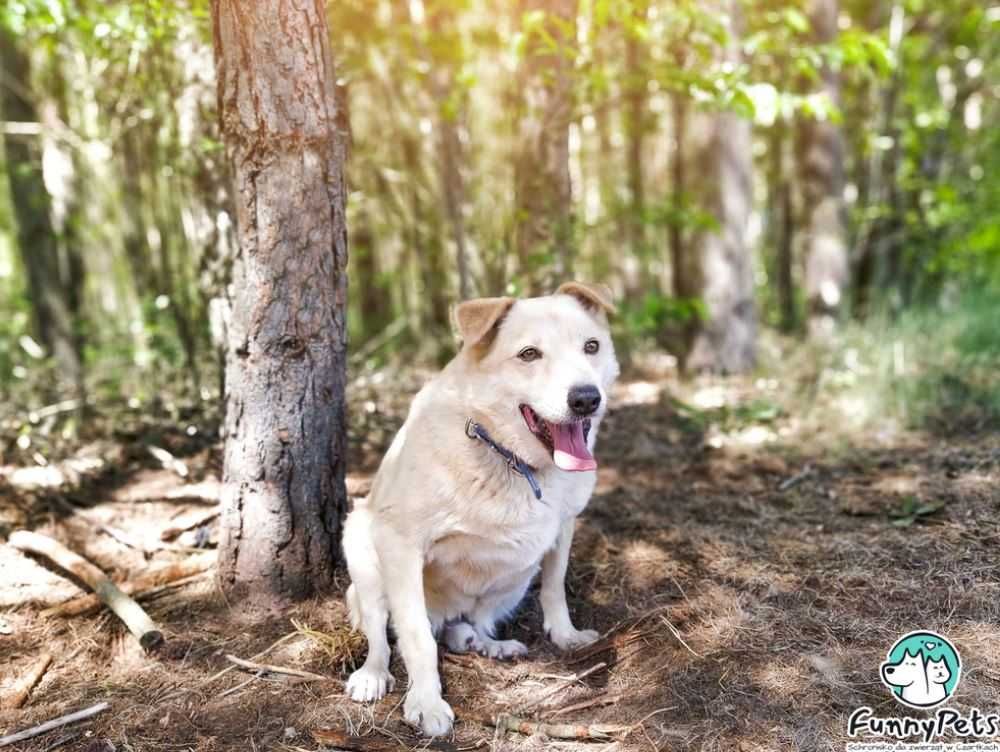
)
(369, 684)
(430, 712)
(571, 639)
(503, 649)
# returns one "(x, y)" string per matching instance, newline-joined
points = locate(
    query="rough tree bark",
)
(53, 265)
(543, 198)
(725, 341)
(283, 495)
(821, 165)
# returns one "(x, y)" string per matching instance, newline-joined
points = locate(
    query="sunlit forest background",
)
(801, 183)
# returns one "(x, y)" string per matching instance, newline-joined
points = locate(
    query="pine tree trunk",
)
(782, 225)
(283, 496)
(635, 128)
(821, 165)
(725, 341)
(543, 197)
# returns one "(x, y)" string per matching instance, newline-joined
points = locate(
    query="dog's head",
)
(543, 368)
(909, 669)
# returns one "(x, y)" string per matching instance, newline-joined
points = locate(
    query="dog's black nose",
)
(890, 670)
(584, 400)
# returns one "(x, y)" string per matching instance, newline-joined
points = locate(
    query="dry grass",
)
(735, 616)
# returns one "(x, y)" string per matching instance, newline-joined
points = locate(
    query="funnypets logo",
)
(922, 670)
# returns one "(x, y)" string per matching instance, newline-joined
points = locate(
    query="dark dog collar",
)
(475, 431)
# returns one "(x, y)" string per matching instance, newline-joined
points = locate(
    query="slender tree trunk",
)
(449, 144)
(283, 496)
(542, 187)
(451, 179)
(782, 226)
(426, 247)
(54, 267)
(635, 129)
(821, 165)
(725, 341)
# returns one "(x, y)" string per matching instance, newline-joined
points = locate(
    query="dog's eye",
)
(529, 354)
(591, 346)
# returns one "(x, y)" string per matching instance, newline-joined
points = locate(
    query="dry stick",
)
(112, 532)
(55, 723)
(126, 609)
(22, 688)
(593, 702)
(266, 668)
(556, 730)
(677, 634)
(567, 683)
(140, 585)
(189, 524)
(261, 654)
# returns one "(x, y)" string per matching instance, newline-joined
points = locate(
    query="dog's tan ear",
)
(475, 320)
(593, 297)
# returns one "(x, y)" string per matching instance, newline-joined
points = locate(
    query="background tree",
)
(48, 249)
(543, 213)
(720, 263)
(283, 480)
(821, 169)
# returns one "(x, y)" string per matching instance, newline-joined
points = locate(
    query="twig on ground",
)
(18, 694)
(143, 585)
(259, 655)
(241, 685)
(55, 723)
(62, 740)
(567, 683)
(593, 702)
(126, 609)
(677, 634)
(598, 731)
(793, 481)
(108, 530)
(268, 669)
(188, 523)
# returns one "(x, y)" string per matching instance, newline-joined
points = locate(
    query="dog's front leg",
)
(558, 625)
(404, 583)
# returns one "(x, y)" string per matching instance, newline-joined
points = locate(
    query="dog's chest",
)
(481, 557)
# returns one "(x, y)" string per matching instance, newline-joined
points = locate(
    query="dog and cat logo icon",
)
(922, 669)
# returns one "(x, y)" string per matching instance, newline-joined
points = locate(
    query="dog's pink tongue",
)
(570, 446)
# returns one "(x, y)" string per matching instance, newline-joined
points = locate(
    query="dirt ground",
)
(748, 580)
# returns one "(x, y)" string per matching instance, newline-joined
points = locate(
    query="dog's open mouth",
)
(566, 441)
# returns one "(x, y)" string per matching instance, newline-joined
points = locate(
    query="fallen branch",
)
(126, 609)
(261, 654)
(593, 702)
(268, 669)
(566, 683)
(595, 731)
(55, 723)
(18, 694)
(149, 581)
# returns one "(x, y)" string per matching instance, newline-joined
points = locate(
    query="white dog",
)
(479, 490)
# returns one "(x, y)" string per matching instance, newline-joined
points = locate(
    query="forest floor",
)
(748, 572)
